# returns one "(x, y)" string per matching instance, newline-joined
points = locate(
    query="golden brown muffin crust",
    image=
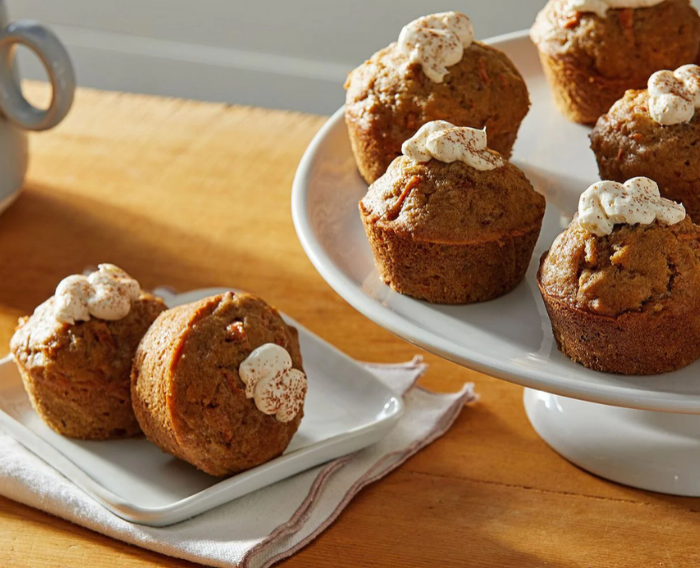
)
(639, 268)
(629, 143)
(449, 233)
(452, 203)
(389, 99)
(77, 375)
(628, 43)
(591, 61)
(188, 395)
(628, 302)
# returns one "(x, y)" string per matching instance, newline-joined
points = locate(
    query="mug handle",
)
(48, 48)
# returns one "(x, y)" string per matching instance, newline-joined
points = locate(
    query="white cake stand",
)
(639, 431)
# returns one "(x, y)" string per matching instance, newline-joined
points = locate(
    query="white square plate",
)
(347, 408)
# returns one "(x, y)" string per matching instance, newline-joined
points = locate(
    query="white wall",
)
(291, 54)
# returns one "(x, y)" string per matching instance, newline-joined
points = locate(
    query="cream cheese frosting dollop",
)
(448, 143)
(436, 42)
(674, 96)
(106, 293)
(605, 204)
(276, 387)
(601, 7)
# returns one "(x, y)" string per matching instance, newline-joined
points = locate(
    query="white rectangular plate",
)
(347, 408)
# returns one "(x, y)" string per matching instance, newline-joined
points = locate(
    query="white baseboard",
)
(113, 61)
(289, 54)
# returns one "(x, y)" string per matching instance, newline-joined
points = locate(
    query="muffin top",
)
(104, 314)
(219, 382)
(399, 88)
(631, 117)
(626, 250)
(633, 142)
(625, 43)
(42, 342)
(469, 194)
(230, 343)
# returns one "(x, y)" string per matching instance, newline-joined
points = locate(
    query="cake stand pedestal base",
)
(645, 449)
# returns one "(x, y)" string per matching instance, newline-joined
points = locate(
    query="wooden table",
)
(196, 195)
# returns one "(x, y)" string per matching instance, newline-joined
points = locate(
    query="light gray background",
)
(289, 54)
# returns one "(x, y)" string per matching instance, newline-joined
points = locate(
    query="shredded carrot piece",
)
(627, 18)
(573, 21)
(393, 212)
(483, 73)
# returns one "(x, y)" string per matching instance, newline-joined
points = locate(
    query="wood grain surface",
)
(195, 195)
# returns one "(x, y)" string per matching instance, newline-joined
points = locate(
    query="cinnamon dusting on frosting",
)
(106, 293)
(437, 42)
(674, 96)
(276, 387)
(605, 204)
(448, 143)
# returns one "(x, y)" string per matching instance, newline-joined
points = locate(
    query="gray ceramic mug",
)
(17, 115)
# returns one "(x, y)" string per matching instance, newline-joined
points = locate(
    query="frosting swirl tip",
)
(638, 201)
(274, 385)
(674, 96)
(436, 42)
(448, 143)
(106, 294)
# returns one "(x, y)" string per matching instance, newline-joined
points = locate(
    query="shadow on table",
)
(48, 234)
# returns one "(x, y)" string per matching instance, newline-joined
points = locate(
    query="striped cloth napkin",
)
(262, 528)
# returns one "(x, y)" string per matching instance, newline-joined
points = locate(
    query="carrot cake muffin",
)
(452, 221)
(655, 133)
(435, 71)
(622, 283)
(219, 383)
(592, 51)
(75, 352)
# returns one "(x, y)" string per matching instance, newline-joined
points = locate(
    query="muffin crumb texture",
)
(590, 61)
(389, 99)
(628, 143)
(77, 375)
(187, 391)
(636, 268)
(626, 302)
(449, 233)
